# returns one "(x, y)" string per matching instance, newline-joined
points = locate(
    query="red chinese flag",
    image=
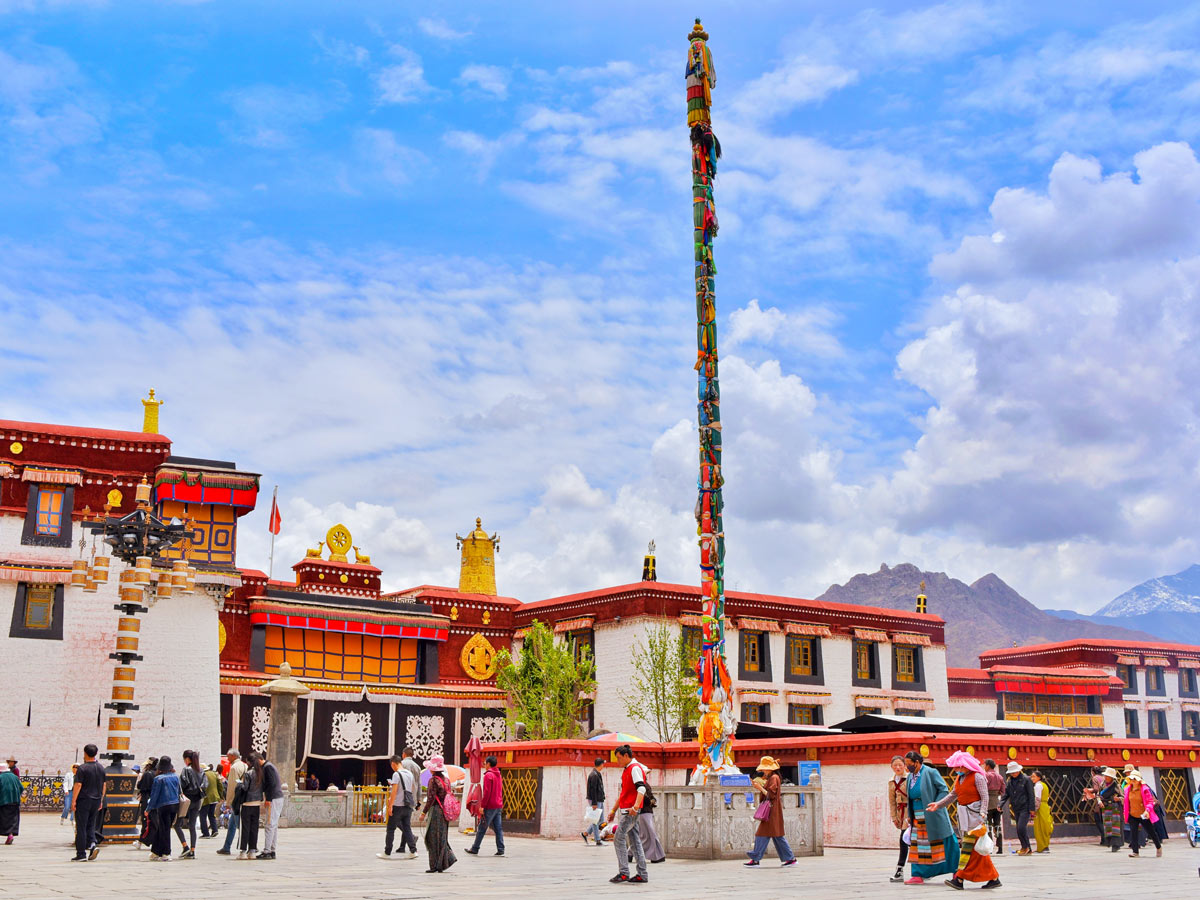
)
(276, 521)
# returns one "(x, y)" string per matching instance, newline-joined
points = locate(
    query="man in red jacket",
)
(628, 807)
(493, 807)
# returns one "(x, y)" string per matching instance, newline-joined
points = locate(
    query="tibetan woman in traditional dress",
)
(437, 834)
(1043, 821)
(971, 792)
(11, 790)
(933, 848)
(1113, 813)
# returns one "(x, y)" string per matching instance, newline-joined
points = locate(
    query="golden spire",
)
(922, 600)
(150, 414)
(478, 573)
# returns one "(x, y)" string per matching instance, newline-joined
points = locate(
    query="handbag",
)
(764, 811)
(449, 804)
(184, 805)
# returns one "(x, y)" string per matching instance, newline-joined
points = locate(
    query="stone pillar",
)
(281, 738)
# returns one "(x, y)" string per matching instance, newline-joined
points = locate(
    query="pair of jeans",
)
(250, 816)
(67, 806)
(231, 830)
(594, 830)
(995, 820)
(400, 817)
(87, 817)
(1022, 824)
(164, 815)
(627, 838)
(781, 848)
(492, 818)
(271, 831)
(1151, 833)
(208, 820)
(193, 814)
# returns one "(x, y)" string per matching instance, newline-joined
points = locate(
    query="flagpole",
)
(271, 526)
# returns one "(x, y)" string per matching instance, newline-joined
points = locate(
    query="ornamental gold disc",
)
(478, 658)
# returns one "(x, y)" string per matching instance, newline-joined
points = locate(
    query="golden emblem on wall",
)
(222, 637)
(339, 540)
(478, 658)
(16, 447)
(114, 498)
(487, 617)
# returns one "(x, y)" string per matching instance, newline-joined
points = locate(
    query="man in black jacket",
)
(1018, 794)
(595, 799)
(272, 809)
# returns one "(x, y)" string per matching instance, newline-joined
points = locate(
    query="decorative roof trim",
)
(1185, 663)
(916, 640)
(871, 634)
(1128, 659)
(1155, 661)
(748, 624)
(579, 623)
(37, 573)
(237, 481)
(805, 629)
(47, 475)
(809, 698)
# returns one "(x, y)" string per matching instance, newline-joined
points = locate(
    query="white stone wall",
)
(61, 685)
(981, 708)
(614, 644)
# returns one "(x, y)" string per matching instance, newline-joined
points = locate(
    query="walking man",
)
(493, 807)
(595, 799)
(237, 768)
(87, 796)
(402, 800)
(414, 769)
(1018, 793)
(995, 785)
(627, 810)
(272, 809)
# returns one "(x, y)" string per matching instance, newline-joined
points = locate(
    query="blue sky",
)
(418, 263)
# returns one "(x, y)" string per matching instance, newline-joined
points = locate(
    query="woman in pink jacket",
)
(1139, 807)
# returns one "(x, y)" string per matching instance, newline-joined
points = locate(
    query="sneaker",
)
(784, 865)
(994, 883)
(501, 853)
(188, 853)
(618, 878)
(954, 883)
(269, 854)
(472, 851)
(412, 854)
(242, 854)
(899, 876)
(583, 834)
(1133, 855)
(383, 856)
(223, 852)
(1024, 851)
(79, 859)
(95, 851)
(915, 880)
(1158, 852)
(752, 864)
(154, 857)
(637, 879)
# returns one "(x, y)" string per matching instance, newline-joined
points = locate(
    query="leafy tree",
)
(662, 694)
(548, 685)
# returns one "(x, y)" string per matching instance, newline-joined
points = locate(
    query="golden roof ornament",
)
(150, 414)
(478, 568)
(339, 540)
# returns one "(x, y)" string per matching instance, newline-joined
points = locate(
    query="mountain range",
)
(984, 615)
(1166, 607)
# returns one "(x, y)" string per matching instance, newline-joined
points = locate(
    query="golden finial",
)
(698, 33)
(922, 600)
(339, 540)
(142, 494)
(478, 572)
(150, 414)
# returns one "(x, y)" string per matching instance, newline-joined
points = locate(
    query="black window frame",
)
(1190, 675)
(818, 717)
(18, 628)
(1128, 674)
(764, 710)
(915, 713)
(1191, 733)
(818, 665)
(918, 682)
(1157, 716)
(29, 533)
(764, 656)
(1131, 719)
(873, 650)
(1161, 690)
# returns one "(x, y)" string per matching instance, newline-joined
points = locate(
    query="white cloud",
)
(402, 82)
(807, 329)
(440, 29)
(271, 117)
(489, 79)
(798, 81)
(384, 154)
(342, 52)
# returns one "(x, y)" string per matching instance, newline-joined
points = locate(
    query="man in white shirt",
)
(400, 802)
(237, 768)
(414, 769)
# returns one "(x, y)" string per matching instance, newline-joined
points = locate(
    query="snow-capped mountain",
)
(1171, 593)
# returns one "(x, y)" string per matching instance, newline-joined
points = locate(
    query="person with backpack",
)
(233, 778)
(401, 802)
(442, 807)
(193, 785)
(629, 807)
(145, 784)
(493, 808)
(251, 798)
(646, 831)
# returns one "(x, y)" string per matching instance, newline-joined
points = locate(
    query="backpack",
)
(648, 801)
(450, 805)
(193, 784)
(406, 779)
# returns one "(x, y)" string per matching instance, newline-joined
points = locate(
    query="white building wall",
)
(614, 644)
(61, 686)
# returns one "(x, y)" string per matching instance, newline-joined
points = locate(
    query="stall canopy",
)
(876, 722)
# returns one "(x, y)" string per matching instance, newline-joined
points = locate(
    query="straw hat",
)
(1013, 767)
(767, 764)
(1135, 775)
(1110, 772)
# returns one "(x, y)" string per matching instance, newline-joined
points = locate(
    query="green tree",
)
(548, 685)
(662, 689)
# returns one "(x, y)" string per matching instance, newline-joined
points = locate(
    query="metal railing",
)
(368, 806)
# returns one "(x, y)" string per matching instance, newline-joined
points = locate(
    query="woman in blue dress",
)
(933, 848)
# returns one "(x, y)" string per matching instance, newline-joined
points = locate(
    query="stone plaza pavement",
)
(333, 864)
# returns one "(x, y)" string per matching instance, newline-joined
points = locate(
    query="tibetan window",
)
(906, 666)
(1131, 723)
(1191, 725)
(1187, 683)
(1128, 676)
(693, 642)
(341, 657)
(38, 612)
(1156, 684)
(754, 656)
(48, 516)
(1157, 720)
(800, 655)
(866, 663)
(800, 714)
(756, 712)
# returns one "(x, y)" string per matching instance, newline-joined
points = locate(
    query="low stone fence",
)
(699, 823)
